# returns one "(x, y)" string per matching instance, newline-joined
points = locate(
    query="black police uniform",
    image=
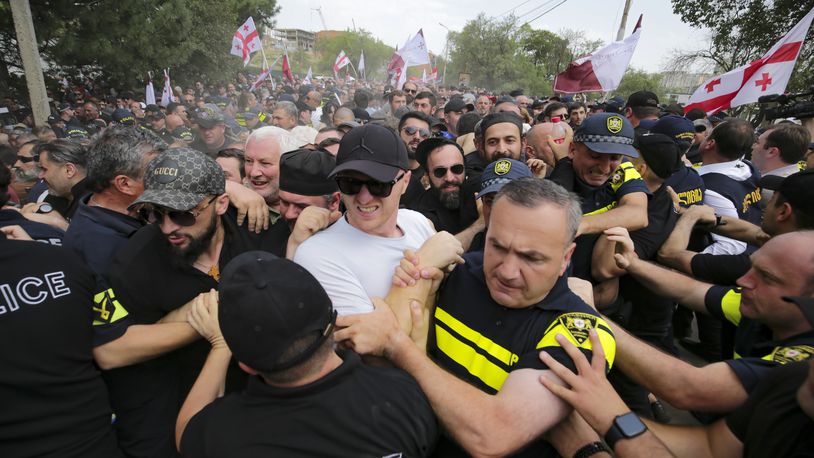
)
(624, 180)
(481, 342)
(720, 269)
(356, 410)
(38, 231)
(147, 282)
(54, 402)
(756, 353)
(770, 422)
(444, 219)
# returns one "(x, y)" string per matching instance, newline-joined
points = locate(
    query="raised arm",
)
(631, 213)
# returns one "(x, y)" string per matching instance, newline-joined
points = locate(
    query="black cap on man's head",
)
(373, 150)
(642, 99)
(660, 152)
(797, 189)
(499, 118)
(305, 172)
(268, 303)
(423, 150)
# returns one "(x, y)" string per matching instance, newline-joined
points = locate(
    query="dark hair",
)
(5, 180)
(552, 107)
(532, 192)
(466, 123)
(575, 105)
(427, 95)
(415, 115)
(733, 138)
(63, 151)
(645, 112)
(237, 154)
(361, 98)
(396, 93)
(696, 113)
(805, 221)
(791, 139)
(120, 150)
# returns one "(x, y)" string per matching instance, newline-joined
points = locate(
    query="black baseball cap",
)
(123, 116)
(607, 133)
(373, 150)
(305, 172)
(266, 304)
(797, 189)
(806, 305)
(456, 103)
(677, 127)
(660, 152)
(180, 178)
(642, 99)
(182, 133)
(423, 150)
(209, 117)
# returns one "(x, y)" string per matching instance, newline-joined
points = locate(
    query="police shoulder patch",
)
(502, 167)
(792, 354)
(578, 324)
(615, 124)
(106, 308)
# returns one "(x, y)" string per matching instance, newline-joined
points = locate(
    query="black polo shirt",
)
(770, 422)
(757, 353)
(66, 207)
(414, 188)
(54, 402)
(720, 269)
(595, 200)
(147, 282)
(38, 231)
(355, 411)
(481, 342)
(444, 219)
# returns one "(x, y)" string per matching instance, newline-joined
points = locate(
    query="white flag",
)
(166, 95)
(149, 92)
(414, 52)
(246, 41)
(308, 77)
(361, 66)
(768, 75)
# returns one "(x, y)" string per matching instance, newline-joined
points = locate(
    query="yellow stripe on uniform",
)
(475, 363)
(575, 326)
(624, 173)
(106, 309)
(731, 306)
(501, 354)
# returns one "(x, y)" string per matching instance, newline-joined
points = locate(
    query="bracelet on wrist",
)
(592, 449)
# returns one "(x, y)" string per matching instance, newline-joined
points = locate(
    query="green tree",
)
(487, 49)
(119, 41)
(377, 54)
(743, 30)
(639, 80)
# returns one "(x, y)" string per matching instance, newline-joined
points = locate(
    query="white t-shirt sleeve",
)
(723, 207)
(343, 287)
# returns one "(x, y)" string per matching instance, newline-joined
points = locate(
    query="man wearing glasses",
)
(355, 257)
(192, 233)
(414, 127)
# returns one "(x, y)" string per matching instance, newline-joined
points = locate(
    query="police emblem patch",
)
(578, 325)
(615, 124)
(502, 167)
(793, 354)
(616, 178)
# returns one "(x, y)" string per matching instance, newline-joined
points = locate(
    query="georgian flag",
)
(287, 67)
(341, 61)
(768, 75)
(246, 41)
(601, 71)
(166, 94)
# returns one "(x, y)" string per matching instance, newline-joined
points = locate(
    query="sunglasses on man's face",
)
(411, 130)
(410, 91)
(440, 172)
(352, 186)
(25, 159)
(182, 218)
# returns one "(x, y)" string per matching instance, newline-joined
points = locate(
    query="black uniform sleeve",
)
(724, 303)
(750, 371)
(721, 269)
(575, 327)
(193, 439)
(563, 174)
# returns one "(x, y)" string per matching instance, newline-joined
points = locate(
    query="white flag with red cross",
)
(341, 61)
(768, 75)
(246, 41)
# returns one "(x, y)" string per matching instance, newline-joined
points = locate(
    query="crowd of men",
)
(352, 269)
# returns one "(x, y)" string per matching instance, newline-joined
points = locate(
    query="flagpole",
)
(354, 68)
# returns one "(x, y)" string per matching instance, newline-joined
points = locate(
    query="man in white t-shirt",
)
(355, 258)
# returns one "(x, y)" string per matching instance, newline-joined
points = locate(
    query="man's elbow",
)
(107, 357)
(637, 219)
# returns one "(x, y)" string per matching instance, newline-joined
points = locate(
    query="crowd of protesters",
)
(347, 268)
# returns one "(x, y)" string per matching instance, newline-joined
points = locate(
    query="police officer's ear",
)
(127, 185)
(222, 204)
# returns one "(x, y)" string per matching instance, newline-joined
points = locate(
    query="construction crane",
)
(321, 17)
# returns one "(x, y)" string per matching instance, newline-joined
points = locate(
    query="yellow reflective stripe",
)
(606, 338)
(475, 363)
(627, 172)
(731, 306)
(501, 354)
(106, 308)
(603, 209)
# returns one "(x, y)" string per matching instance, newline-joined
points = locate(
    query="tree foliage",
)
(377, 54)
(743, 30)
(121, 40)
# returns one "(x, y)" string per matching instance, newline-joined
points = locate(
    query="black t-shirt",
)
(354, 411)
(770, 422)
(414, 187)
(146, 284)
(720, 269)
(54, 402)
(38, 231)
(444, 219)
(481, 342)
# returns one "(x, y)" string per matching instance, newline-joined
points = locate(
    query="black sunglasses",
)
(410, 91)
(25, 159)
(352, 186)
(440, 172)
(411, 130)
(182, 218)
